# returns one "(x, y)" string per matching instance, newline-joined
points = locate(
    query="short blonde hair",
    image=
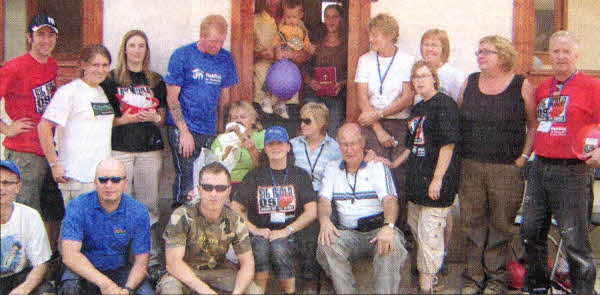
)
(248, 108)
(319, 112)
(506, 51)
(386, 25)
(434, 74)
(439, 35)
(213, 22)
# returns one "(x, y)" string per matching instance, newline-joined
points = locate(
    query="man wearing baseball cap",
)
(276, 200)
(27, 84)
(25, 250)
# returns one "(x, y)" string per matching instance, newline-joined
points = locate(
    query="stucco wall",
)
(168, 24)
(466, 21)
(583, 21)
(15, 28)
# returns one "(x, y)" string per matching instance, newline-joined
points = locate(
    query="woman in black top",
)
(136, 138)
(495, 145)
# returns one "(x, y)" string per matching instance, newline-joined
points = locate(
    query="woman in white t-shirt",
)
(83, 118)
(384, 97)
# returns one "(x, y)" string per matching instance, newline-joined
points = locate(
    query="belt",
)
(561, 162)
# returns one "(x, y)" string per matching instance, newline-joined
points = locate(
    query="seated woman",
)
(313, 150)
(245, 155)
(432, 169)
(276, 200)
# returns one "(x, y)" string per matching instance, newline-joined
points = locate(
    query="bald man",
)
(99, 229)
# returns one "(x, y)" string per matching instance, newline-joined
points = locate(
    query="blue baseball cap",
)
(10, 166)
(276, 133)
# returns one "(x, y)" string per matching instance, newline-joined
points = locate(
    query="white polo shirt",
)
(357, 197)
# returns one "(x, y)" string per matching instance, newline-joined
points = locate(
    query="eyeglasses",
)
(7, 182)
(485, 52)
(113, 179)
(219, 187)
(419, 77)
(306, 121)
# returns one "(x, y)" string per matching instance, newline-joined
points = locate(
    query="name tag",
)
(277, 217)
(544, 126)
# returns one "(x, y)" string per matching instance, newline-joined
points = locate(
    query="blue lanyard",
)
(285, 173)
(381, 79)
(559, 88)
(312, 167)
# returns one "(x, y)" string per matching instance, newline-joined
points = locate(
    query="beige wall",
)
(465, 20)
(584, 16)
(168, 24)
(14, 29)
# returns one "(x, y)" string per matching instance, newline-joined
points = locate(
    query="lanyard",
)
(312, 167)
(285, 173)
(353, 188)
(559, 87)
(381, 79)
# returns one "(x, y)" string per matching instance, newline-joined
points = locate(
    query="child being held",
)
(292, 36)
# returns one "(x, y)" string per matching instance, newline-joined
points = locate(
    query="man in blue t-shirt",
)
(198, 78)
(98, 231)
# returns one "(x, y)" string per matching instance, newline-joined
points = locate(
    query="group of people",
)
(336, 192)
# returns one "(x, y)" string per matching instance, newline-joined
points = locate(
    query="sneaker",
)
(281, 110)
(494, 289)
(470, 289)
(265, 105)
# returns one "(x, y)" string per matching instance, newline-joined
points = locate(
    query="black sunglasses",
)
(219, 187)
(113, 179)
(306, 121)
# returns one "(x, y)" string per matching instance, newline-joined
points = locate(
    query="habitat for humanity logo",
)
(197, 74)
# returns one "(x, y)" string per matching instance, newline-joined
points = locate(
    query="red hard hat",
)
(586, 140)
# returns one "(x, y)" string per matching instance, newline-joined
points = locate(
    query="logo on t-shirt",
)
(415, 127)
(12, 254)
(102, 108)
(553, 110)
(42, 95)
(276, 199)
(143, 90)
(209, 78)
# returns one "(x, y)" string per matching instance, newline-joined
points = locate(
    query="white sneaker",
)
(281, 110)
(265, 105)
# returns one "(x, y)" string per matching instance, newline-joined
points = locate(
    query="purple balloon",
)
(284, 79)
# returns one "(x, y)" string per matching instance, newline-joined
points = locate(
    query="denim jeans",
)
(336, 106)
(184, 167)
(278, 254)
(562, 190)
(72, 284)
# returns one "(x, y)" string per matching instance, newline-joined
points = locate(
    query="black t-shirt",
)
(273, 199)
(140, 136)
(432, 124)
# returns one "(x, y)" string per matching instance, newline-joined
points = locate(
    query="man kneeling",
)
(98, 230)
(197, 238)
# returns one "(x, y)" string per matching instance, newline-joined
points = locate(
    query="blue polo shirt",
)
(106, 237)
(317, 160)
(201, 77)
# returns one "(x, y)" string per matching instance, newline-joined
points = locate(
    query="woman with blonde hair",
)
(136, 138)
(498, 122)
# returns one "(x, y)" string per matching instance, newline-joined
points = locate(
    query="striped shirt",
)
(317, 160)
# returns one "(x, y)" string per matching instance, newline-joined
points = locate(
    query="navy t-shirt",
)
(201, 77)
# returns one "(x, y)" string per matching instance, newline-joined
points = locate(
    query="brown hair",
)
(386, 25)
(417, 66)
(121, 73)
(214, 168)
(291, 4)
(439, 35)
(506, 51)
(89, 52)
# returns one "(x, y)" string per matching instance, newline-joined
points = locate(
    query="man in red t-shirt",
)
(27, 84)
(559, 184)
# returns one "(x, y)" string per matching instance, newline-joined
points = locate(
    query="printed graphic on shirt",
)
(276, 199)
(102, 108)
(209, 78)
(415, 127)
(42, 95)
(12, 254)
(553, 110)
(143, 90)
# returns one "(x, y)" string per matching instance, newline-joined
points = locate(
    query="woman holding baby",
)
(136, 139)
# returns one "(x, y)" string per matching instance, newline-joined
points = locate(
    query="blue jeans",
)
(336, 106)
(279, 254)
(72, 284)
(564, 190)
(184, 167)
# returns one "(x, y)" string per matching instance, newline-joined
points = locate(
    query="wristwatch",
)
(391, 225)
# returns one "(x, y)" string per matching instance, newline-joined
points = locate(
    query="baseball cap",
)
(10, 166)
(276, 133)
(42, 20)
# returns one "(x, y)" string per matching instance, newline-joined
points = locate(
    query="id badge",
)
(277, 217)
(544, 126)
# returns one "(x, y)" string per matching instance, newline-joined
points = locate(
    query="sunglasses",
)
(113, 179)
(219, 187)
(306, 121)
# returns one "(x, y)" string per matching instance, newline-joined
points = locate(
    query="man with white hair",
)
(559, 184)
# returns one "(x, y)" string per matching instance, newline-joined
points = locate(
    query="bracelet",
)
(525, 156)
(157, 120)
(381, 115)
(53, 164)
(291, 229)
